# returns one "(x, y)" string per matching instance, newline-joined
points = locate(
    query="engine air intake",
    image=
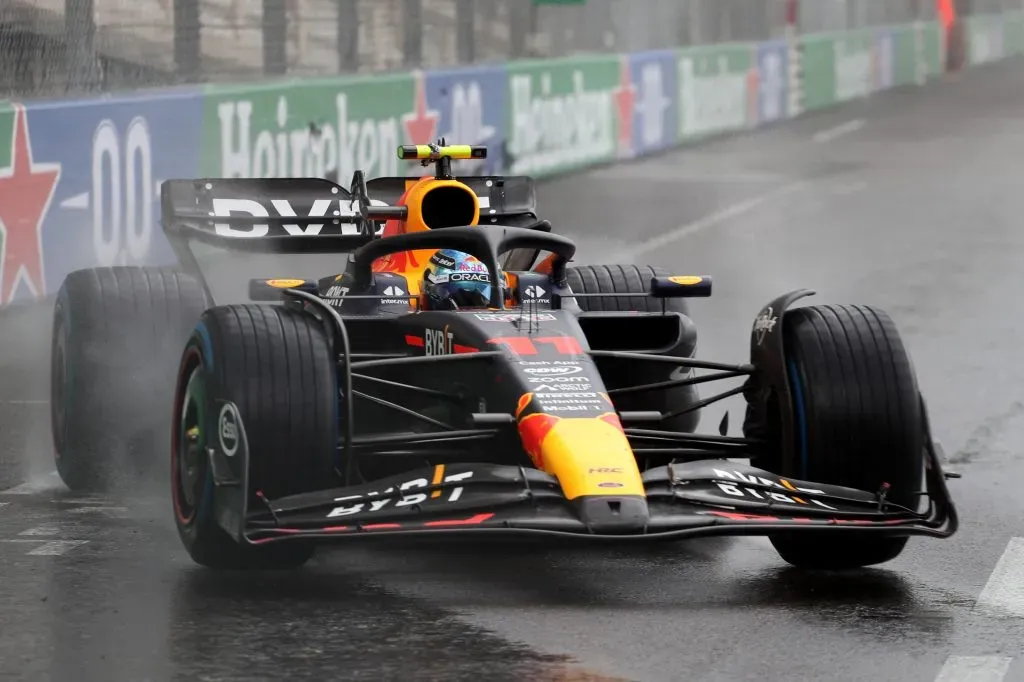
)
(449, 205)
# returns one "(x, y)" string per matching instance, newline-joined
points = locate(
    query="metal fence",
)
(61, 47)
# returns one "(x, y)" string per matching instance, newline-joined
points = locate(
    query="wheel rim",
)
(188, 470)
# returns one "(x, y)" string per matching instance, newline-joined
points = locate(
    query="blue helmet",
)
(454, 279)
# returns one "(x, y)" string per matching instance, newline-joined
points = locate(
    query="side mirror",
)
(683, 286)
(271, 289)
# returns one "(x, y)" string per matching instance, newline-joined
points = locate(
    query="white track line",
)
(24, 402)
(1002, 597)
(109, 511)
(849, 188)
(838, 131)
(39, 484)
(744, 207)
(46, 547)
(56, 547)
(41, 530)
(974, 669)
(23, 489)
(712, 219)
(1003, 594)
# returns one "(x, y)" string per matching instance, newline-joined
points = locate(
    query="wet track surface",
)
(918, 211)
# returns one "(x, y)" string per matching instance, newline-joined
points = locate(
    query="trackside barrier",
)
(79, 179)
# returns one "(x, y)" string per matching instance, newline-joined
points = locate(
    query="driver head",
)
(455, 280)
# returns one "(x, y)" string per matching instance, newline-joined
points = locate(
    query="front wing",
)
(710, 497)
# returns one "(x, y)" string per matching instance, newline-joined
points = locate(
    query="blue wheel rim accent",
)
(801, 415)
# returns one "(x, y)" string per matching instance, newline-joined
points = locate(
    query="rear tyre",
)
(116, 339)
(275, 364)
(858, 424)
(628, 279)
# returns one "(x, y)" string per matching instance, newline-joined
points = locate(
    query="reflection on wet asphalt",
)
(918, 212)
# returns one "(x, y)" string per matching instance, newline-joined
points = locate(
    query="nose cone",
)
(590, 456)
(595, 467)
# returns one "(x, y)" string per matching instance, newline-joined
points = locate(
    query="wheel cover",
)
(189, 466)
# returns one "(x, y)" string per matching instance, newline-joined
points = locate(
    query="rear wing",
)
(316, 215)
(272, 215)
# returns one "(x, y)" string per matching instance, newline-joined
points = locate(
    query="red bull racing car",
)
(563, 404)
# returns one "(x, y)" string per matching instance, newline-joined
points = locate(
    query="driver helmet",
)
(454, 280)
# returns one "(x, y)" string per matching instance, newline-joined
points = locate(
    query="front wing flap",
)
(711, 497)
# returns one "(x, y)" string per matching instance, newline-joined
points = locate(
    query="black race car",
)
(342, 408)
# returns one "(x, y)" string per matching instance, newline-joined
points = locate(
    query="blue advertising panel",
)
(471, 105)
(107, 158)
(654, 77)
(773, 80)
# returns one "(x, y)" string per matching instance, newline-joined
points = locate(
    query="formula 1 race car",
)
(346, 407)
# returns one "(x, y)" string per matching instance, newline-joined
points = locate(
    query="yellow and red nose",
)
(590, 456)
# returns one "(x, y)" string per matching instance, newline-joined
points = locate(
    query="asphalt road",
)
(911, 201)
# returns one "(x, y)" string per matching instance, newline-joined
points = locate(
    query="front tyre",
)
(275, 365)
(858, 423)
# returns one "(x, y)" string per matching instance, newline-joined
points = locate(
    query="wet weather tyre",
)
(117, 336)
(858, 423)
(628, 279)
(275, 364)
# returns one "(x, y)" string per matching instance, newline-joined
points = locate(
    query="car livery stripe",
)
(524, 402)
(471, 521)
(475, 520)
(436, 480)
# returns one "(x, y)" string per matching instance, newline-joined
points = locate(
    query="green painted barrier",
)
(265, 131)
(717, 89)
(563, 115)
